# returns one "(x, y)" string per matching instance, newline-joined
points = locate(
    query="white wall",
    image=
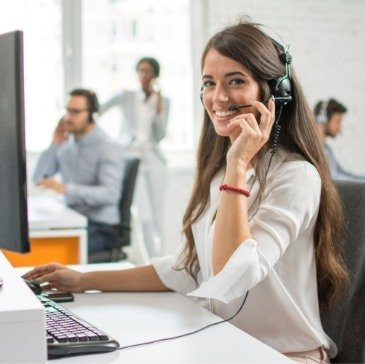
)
(328, 48)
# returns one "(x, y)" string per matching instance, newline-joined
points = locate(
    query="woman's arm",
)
(231, 227)
(139, 279)
(160, 119)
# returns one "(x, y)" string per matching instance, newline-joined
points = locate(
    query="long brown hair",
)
(248, 45)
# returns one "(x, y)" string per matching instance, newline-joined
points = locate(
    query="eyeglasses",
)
(75, 111)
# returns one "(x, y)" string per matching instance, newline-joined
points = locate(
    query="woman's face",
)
(226, 83)
(145, 74)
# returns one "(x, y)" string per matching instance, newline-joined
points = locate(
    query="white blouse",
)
(277, 266)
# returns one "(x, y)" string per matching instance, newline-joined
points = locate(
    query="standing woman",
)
(144, 126)
(263, 226)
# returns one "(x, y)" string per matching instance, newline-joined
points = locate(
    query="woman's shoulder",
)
(295, 166)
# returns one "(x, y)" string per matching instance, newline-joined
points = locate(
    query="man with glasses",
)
(90, 165)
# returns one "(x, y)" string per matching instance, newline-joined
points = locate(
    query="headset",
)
(91, 99)
(280, 87)
(93, 103)
(201, 95)
(322, 117)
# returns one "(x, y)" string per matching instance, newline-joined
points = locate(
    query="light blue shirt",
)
(337, 172)
(92, 170)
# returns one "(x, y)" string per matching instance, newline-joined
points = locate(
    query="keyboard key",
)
(82, 337)
(68, 334)
(72, 338)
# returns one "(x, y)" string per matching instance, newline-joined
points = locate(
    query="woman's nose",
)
(220, 95)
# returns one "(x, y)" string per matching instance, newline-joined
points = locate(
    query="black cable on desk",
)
(188, 333)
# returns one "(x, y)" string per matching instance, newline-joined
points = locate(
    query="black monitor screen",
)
(13, 194)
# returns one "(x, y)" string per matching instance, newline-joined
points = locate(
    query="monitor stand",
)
(21, 315)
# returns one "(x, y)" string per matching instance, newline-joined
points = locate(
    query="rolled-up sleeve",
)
(290, 204)
(176, 280)
(47, 165)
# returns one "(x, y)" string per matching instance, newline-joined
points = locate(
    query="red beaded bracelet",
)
(225, 187)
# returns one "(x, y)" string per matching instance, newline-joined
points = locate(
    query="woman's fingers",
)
(267, 116)
(244, 121)
(42, 270)
(248, 125)
(46, 278)
(267, 119)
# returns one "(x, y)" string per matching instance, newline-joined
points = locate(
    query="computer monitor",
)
(14, 234)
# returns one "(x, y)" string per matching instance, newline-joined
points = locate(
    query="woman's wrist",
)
(86, 281)
(235, 173)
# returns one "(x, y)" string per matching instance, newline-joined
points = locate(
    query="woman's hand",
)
(57, 276)
(251, 135)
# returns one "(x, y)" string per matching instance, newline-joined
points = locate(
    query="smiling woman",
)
(261, 219)
(225, 87)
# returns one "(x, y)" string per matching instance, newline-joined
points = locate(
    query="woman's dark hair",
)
(247, 44)
(153, 62)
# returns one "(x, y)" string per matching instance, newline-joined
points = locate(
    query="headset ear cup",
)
(322, 116)
(94, 106)
(281, 91)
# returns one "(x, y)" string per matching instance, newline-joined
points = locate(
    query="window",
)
(43, 71)
(116, 33)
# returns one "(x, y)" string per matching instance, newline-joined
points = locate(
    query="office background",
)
(94, 43)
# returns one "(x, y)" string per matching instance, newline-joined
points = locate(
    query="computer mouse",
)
(34, 286)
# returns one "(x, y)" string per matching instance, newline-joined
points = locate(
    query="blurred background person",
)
(91, 168)
(329, 115)
(144, 125)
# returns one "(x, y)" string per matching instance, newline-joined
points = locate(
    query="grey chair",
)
(346, 323)
(124, 228)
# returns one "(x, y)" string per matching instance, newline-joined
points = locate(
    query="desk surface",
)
(138, 317)
(49, 213)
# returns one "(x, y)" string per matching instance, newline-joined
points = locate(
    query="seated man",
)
(329, 115)
(90, 166)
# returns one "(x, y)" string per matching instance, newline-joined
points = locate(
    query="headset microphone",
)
(237, 107)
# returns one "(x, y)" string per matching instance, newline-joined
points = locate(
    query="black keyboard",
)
(68, 334)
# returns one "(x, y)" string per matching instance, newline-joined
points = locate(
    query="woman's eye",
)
(208, 83)
(237, 82)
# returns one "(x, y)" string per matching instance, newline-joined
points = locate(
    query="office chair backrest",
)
(123, 229)
(346, 323)
(128, 186)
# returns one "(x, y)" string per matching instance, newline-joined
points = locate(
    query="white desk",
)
(51, 213)
(57, 233)
(137, 317)
(49, 217)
